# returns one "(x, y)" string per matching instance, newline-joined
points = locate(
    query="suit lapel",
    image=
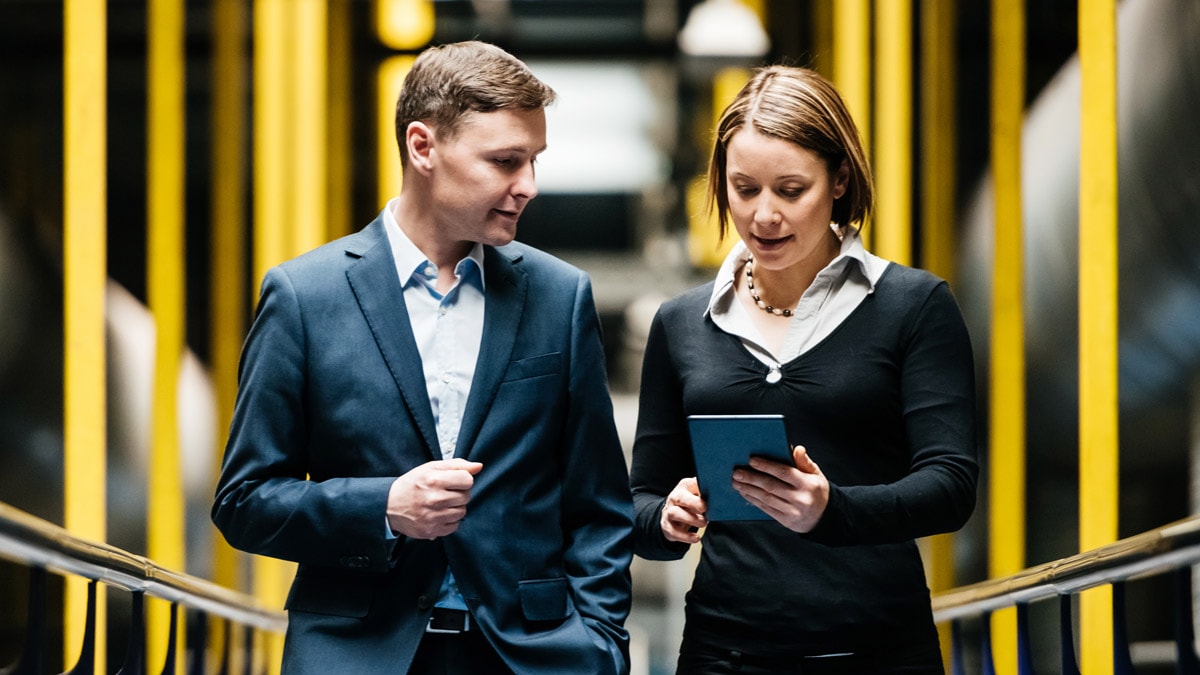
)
(504, 301)
(376, 286)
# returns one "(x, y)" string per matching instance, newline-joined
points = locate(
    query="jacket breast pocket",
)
(534, 366)
(545, 599)
(332, 594)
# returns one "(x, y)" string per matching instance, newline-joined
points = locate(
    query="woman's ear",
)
(841, 179)
(419, 139)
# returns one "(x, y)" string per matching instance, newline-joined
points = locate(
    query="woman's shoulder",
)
(902, 281)
(690, 303)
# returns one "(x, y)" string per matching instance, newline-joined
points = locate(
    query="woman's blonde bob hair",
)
(796, 105)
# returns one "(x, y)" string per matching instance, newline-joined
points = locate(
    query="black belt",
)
(445, 620)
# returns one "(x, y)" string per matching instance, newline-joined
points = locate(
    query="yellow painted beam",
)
(852, 69)
(227, 325)
(893, 130)
(1006, 490)
(340, 142)
(308, 68)
(821, 19)
(1098, 404)
(938, 149)
(938, 193)
(85, 246)
(705, 249)
(271, 136)
(388, 80)
(165, 263)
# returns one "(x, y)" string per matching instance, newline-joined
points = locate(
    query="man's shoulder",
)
(351, 246)
(537, 261)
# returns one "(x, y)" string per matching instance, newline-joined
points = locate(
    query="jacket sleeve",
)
(598, 513)
(265, 503)
(661, 457)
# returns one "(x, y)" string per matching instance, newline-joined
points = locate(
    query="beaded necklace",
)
(754, 292)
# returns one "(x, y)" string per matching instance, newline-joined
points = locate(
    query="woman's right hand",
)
(683, 513)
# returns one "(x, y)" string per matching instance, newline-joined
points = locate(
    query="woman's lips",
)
(771, 244)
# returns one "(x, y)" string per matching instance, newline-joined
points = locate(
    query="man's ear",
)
(419, 139)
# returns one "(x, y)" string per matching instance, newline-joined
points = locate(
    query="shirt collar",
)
(852, 253)
(410, 261)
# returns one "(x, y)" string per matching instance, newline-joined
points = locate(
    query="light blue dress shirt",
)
(448, 329)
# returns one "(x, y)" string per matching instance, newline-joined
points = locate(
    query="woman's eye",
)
(745, 191)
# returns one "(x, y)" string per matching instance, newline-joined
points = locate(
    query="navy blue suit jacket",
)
(332, 407)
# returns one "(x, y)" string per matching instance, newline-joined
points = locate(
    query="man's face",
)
(483, 177)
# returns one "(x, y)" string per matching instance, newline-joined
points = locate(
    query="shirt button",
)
(424, 602)
(442, 310)
(430, 270)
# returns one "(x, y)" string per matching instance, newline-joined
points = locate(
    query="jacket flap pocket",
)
(545, 599)
(534, 366)
(333, 594)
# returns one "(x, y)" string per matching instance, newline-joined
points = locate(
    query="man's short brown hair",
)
(448, 81)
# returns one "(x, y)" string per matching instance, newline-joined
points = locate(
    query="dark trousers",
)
(466, 653)
(698, 659)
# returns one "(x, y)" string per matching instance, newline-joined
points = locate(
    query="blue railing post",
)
(1122, 663)
(1066, 634)
(32, 657)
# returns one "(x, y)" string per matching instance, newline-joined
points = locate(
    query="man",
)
(423, 421)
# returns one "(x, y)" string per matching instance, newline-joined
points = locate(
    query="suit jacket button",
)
(424, 602)
(355, 561)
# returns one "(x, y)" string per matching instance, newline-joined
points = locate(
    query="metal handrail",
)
(1152, 552)
(25, 538)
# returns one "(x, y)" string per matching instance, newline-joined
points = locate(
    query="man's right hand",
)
(429, 501)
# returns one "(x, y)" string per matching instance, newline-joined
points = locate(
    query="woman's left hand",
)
(794, 496)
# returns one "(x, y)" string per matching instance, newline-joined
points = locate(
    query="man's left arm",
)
(597, 507)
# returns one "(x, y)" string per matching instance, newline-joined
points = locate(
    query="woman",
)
(870, 364)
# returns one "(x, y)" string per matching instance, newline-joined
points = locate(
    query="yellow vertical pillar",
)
(704, 249)
(227, 287)
(271, 123)
(822, 36)
(273, 213)
(851, 67)
(938, 152)
(893, 137)
(340, 143)
(1098, 404)
(938, 190)
(85, 203)
(1006, 489)
(388, 80)
(308, 68)
(165, 262)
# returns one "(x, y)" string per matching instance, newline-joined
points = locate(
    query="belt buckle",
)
(449, 621)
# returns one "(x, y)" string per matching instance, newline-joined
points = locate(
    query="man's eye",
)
(503, 161)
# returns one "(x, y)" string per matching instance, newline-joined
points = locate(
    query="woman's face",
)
(781, 199)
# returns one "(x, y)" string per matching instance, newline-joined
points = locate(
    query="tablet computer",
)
(722, 442)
